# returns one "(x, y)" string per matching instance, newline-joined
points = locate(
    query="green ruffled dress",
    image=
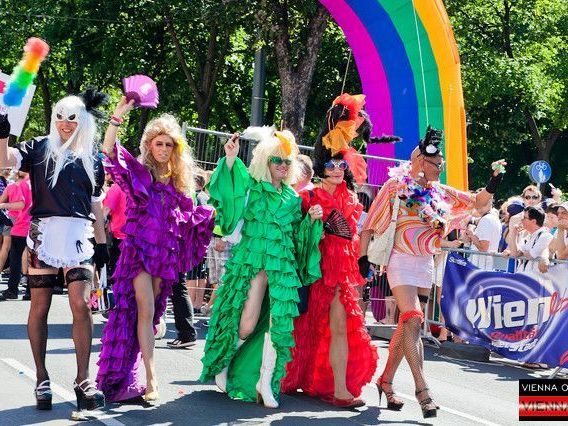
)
(276, 238)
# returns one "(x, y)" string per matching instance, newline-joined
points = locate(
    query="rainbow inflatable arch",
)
(409, 67)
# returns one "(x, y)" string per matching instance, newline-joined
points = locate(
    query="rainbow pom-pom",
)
(23, 75)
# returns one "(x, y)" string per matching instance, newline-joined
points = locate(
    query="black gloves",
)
(101, 256)
(4, 126)
(364, 266)
(493, 183)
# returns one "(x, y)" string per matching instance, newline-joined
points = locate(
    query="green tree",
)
(515, 72)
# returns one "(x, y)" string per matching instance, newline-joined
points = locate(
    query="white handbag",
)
(380, 246)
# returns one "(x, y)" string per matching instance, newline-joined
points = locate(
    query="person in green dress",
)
(250, 331)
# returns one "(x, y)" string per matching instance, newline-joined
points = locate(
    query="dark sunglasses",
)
(336, 164)
(531, 197)
(439, 166)
(279, 161)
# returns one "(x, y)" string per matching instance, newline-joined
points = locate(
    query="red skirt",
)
(310, 369)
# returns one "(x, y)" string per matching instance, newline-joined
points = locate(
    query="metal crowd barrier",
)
(208, 145)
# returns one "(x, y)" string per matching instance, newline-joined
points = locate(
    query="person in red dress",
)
(333, 357)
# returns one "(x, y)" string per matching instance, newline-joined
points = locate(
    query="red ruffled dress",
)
(310, 369)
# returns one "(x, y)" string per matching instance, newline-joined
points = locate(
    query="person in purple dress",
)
(166, 234)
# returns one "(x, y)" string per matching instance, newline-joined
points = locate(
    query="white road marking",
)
(106, 419)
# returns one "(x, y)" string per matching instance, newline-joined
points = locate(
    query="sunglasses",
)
(531, 197)
(439, 166)
(336, 164)
(279, 161)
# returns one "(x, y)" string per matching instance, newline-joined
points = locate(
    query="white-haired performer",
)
(66, 176)
(250, 331)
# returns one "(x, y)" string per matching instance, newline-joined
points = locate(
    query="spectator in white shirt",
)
(531, 240)
(532, 197)
(485, 237)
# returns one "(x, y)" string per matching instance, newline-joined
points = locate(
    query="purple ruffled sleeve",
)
(196, 230)
(132, 177)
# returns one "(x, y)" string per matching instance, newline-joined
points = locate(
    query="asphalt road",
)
(468, 392)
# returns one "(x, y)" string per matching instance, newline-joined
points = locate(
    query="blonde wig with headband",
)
(272, 143)
(180, 166)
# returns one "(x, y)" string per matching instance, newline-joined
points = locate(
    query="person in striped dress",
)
(428, 212)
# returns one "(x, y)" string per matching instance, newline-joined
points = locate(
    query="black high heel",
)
(88, 396)
(426, 405)
(43, 395)
(392, 402)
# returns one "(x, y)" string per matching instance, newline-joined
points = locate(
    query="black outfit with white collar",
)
(73, 193)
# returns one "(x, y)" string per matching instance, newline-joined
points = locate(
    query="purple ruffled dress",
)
(165, 234)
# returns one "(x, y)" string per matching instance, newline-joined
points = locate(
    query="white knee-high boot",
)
(221, 378)
(263, 386)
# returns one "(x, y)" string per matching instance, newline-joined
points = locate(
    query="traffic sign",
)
(540, 171)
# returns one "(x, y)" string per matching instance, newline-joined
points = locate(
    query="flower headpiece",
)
(341, 133)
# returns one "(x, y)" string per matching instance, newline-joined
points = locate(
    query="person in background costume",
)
(428, 212)
(333, 357)
(165, 234)
(66, 178)
(250, 331)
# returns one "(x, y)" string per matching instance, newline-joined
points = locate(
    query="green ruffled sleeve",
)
(308, 255)
(227, 190)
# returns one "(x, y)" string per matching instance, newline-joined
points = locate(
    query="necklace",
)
(428, 200)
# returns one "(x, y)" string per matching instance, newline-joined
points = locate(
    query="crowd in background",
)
(528, 225)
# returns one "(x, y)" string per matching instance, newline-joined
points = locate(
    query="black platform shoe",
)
(428, 406)
(43, 396)
(88, 396)
(393, 403)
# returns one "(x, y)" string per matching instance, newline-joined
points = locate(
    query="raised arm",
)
(232, 150)
(121, 109)
(484, 196)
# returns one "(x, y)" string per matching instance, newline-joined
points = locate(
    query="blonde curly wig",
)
(271, 145)
(180, 166)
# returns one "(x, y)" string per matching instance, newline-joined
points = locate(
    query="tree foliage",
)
(201, 53)
(515, 75)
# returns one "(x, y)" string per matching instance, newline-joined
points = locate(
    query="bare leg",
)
(5, 250)
(249, 319)
(192, 291)
(79, 293)
(200, 292)
(144, 294)
(338, 349)
(251, 310)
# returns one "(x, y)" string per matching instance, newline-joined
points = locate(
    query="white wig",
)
(80, 145)
(269, 144)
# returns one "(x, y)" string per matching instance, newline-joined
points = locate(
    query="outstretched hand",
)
(498, 167)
